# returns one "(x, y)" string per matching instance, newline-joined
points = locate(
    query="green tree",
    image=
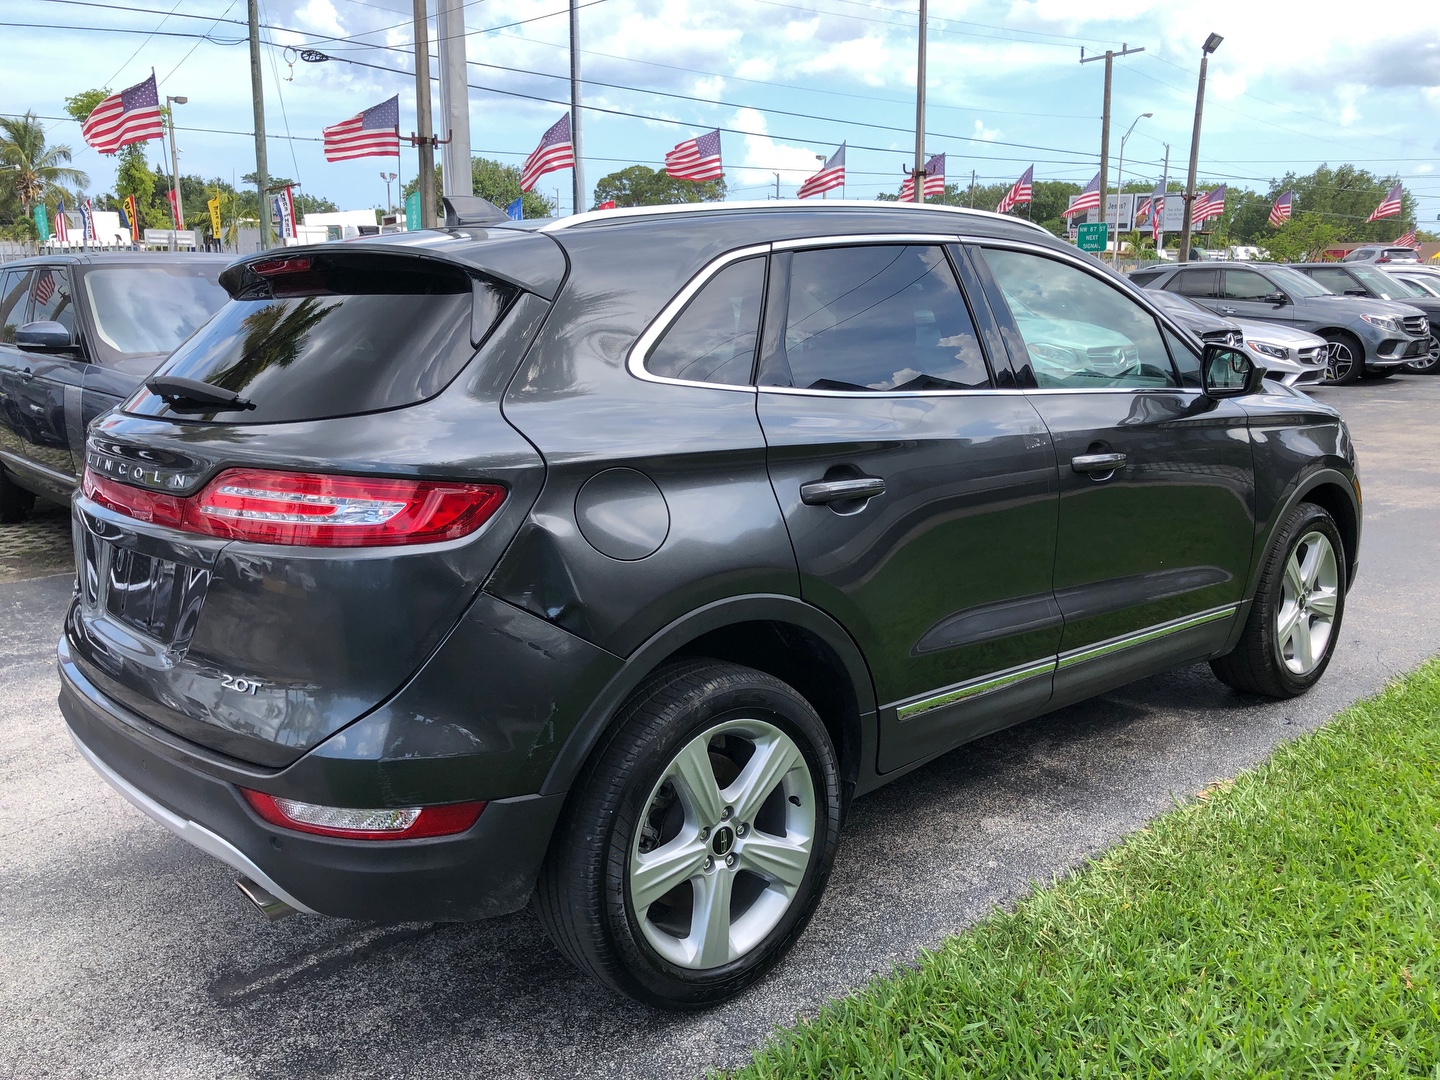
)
(1303, 238)
(640, 185)
(38, 173)
(1346, 196)
(496, 182)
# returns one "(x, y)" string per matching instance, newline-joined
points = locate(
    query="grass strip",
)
(1285, 924)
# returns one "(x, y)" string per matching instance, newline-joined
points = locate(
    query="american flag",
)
(1211, 204)
(372, 133)
(1089, 199)
(131, 116)
(1280, 212)
(44, 287)
(1154, 205)
(1022, 192)
(934, 180)
(1389, 206)
(62, 226)
(828, 178)
(696, 159)
(555, 152)
(1408, 239)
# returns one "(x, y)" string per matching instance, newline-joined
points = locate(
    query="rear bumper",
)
(486, 871)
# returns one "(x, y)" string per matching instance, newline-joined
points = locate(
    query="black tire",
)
(1347, 359)
(583, 896)
(1381, 373)
(1429, 364)
(15, 501)
(1258, 664)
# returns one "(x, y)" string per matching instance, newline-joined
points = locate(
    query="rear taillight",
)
(311, 509)
(349, 823)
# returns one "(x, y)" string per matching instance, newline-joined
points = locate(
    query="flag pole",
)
(578, 169)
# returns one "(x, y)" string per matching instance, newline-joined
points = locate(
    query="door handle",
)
(1097, 463)
(821, 492)
(1227, 311)
(26, 374)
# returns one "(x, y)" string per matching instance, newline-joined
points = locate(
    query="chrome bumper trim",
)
(189, 831)
(1094, 652)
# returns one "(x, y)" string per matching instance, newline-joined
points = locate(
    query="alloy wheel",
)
(1341, 360)
(723, 845)
(1309, 598)
(1430, 361)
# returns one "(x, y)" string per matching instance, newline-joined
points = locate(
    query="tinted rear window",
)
(345, 334)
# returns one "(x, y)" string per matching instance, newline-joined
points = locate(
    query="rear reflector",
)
(311, 509)
(346, 823)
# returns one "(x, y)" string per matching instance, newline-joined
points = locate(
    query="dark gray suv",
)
(1379, 336)
(605, 560)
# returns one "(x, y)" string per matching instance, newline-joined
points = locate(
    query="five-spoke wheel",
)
(699, 838)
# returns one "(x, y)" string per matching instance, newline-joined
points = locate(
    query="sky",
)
(785, 80)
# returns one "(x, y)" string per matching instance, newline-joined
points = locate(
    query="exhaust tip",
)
(272, 907)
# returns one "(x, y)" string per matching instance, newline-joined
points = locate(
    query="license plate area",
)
(142, 590)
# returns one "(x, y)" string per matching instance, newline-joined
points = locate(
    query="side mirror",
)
(44, 337)
(1277, 298)
(1229, 372)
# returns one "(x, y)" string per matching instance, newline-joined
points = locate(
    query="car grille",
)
(1416, 324)
(1233, 338)
(1315, 356)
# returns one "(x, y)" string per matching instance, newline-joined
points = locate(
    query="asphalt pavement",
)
(125, 953)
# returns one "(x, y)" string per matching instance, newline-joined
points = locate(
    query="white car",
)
(1289, 356)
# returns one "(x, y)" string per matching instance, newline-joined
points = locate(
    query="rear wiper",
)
(181, 393)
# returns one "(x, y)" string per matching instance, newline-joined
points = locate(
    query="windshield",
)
(1296, 283)
(151, 309)
(1380, 283)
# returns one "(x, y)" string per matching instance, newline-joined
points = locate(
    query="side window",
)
(1199, 283)
(1143, 278)
(1247, 285)
(14, 297)
(879, 317)
(714, 338)
(1187, 360)
(52, 301)
(1337, 281)
(1080, 331)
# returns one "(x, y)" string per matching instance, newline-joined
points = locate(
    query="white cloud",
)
(762, 156)
(320, 16)
(986, 134)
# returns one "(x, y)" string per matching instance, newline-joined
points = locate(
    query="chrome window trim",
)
(798, 391)
(640, 351)
(984, 684)
(864, 239)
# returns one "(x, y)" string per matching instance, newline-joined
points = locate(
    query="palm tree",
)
(36, 173)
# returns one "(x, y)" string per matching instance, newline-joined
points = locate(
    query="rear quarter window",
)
(331, 335)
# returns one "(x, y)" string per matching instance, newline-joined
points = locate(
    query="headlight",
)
(1384, 322)
(1055, 354)
(1266, 349)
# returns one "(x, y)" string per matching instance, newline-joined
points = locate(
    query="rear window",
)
(314, 336)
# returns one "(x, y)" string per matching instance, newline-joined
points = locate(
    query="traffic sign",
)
(1092, 237)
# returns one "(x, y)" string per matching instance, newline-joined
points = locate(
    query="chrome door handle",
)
(1227, 311)
(26, 374)
(820, 492)
(1097, 463)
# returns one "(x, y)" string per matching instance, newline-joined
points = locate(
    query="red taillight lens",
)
(349, 823)
(312, 509)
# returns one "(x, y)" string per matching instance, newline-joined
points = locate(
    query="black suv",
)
(607, 559)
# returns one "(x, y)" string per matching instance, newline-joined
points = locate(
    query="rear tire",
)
(1295, 618)
(15, 501)
(698, 839)
(1347, 359)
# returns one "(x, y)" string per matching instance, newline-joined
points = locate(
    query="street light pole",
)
(919, 170)
(174, 169)
(388, 178)
(1120, 185)
(1211, 44)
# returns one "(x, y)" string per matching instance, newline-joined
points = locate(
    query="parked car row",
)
(1372, 322)
(602, 562)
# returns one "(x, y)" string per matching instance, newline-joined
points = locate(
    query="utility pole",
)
(1109, 59)
(455, 175)
(257, 94)
(1164, 185)
(578, 172)
(777, 185)
(919, 171)
(425, 137)
(1211, 44)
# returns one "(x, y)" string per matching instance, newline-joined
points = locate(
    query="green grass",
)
(1286, 924)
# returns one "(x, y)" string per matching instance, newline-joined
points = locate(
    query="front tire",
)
(1347, 359)
(699, 839)
(1295, 618)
